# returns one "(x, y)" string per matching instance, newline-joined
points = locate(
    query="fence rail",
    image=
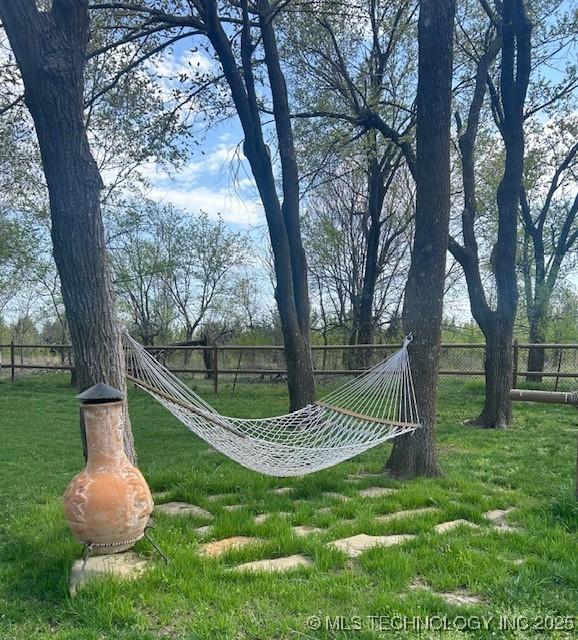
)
(265, 364)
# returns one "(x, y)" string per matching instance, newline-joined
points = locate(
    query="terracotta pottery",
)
(108, 505)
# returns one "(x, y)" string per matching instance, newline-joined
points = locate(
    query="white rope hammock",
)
(377, 405)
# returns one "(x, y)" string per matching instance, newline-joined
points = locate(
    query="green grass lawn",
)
(526, 575)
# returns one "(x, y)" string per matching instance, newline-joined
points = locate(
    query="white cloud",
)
(214, 201)
(214, 183)
(188, 63)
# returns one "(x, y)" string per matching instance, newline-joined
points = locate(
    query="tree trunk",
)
(376, 195)
(498, 366)
(538, 315)
(508, 105)
(537, 355)
(416, 454)
(50, 50)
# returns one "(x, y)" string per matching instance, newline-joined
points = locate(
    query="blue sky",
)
(216, 177)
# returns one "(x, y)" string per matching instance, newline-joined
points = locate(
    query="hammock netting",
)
(366, 411)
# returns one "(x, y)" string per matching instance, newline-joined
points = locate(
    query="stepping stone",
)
(276, 565)
(183, 509)
(203, 531)
(127, 565)
(263, 517)
(444, 527)
(408, 513)
(459, 597)
(356, 545)
(218, 547)
(498, 519)
(335, 496)
(376, 492)
(282, 490)
(233, 507)
(506, 528)
(304, 530)
(497, 515)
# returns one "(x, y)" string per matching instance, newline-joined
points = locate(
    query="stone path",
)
(127, 565)
(356, 545)
(352, 546)
(275, 565)
(183, 509)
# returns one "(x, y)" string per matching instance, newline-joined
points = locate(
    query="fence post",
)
(516, 358)
(216, 368)
(12, 360)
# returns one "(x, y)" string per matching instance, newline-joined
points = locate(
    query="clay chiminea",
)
(108, 505)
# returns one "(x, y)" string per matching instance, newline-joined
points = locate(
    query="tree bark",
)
(415, 455)
(497, 324)
(537, 335)
(376, 196)
(50, 50)
(498, 366)
(514, 78)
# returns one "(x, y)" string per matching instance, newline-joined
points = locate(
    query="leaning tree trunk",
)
(416, 454)
(50, 50)
(291, 291)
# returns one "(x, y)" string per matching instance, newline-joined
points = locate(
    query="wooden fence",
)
(266, 362)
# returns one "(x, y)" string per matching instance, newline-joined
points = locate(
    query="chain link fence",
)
(221, 368)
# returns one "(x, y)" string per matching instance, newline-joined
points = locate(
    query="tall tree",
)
(50, 49)
(549, 207)
(416, 454)
(243, 39)
(139, 270)
(357, 258)
(356, 59)
(508, 32)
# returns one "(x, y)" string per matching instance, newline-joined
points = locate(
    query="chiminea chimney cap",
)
(100, 392)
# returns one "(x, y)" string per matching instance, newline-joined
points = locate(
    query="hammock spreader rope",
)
(376, 406)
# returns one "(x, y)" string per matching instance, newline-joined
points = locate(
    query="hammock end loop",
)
(408, 339)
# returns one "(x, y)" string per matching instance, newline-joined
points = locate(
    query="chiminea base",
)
(106, 548)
